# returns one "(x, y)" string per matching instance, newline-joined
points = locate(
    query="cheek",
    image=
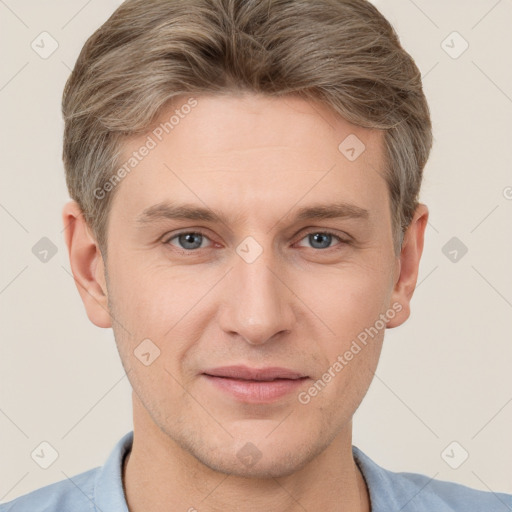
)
(162, 304)
(342, 384)
(346, 300)
(156, 299)
(350, 302)
(142, 293)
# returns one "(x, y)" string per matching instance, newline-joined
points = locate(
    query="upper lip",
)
(246, 373)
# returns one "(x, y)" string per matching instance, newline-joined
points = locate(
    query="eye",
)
(189, 240)
(322, 239)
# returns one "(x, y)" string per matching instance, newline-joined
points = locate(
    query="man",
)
(245, 179)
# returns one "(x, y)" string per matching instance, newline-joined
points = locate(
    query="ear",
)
(87, 265)
(408, 265)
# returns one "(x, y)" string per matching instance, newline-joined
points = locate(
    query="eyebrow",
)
(169, 211)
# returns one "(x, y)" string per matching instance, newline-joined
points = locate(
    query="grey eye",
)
(188, 241)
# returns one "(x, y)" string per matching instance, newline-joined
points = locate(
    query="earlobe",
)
(87, 265)
(408, 266)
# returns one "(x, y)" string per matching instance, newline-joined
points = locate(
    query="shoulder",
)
(75, 493)
(100, 488)
(414, 492)
(453, 496)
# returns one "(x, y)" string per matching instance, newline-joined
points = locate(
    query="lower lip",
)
(256, 391)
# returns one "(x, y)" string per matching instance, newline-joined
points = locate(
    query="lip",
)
(242, 372)
(255, 385)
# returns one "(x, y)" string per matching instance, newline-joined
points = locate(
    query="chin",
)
(252, 449)
(274, 466)
(245, 460)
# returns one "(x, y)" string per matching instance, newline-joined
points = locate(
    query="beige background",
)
(444, 376)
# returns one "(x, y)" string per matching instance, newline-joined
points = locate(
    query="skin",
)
(299, 305)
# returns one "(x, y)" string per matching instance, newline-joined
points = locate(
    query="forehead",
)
(251, 153)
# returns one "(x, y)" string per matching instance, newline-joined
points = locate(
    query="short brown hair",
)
(341, 52)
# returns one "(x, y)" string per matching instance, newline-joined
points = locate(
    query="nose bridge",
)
(258, 305)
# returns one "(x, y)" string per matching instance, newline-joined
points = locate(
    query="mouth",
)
(255, 385)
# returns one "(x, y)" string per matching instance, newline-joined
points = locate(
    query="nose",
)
(258, 303)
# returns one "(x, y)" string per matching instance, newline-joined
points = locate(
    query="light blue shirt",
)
(101, 490)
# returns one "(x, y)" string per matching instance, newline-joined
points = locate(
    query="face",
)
(248, 238)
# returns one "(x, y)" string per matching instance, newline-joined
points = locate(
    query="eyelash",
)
(316, 231)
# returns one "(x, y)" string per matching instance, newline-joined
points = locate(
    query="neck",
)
(158, 476)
